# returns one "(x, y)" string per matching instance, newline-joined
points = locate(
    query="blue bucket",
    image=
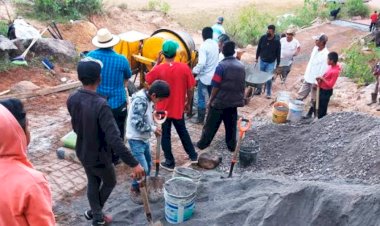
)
(179, 194)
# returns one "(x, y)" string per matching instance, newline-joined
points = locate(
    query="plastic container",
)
(179, 194)
(283, 96)
(296, 108)
(192, 174)
(280, 112)
(248, 154)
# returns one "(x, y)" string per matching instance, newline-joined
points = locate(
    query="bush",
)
(248, 26)
(73, 9)
(158, 5)
(357, 8)
(358, 65)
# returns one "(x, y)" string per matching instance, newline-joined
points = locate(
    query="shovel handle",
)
(160, 116)
(157, 160)
(144, 196)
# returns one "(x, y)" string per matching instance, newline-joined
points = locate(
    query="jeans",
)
(204, 92)
(267, 67)
(141, 151)
(101, 182)
(180, 126)
(324, 99)
(120, 115)
(213, 120)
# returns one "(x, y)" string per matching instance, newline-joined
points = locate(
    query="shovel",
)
(156, 183)
(317, 102)
(148, 212)
(242, 130)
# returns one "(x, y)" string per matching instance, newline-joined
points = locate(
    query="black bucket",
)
(248, 154)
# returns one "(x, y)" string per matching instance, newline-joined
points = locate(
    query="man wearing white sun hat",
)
(114, 76)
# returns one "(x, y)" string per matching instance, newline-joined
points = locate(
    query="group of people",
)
(100, 112)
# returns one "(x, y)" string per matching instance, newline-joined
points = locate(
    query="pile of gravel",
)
(340, 146)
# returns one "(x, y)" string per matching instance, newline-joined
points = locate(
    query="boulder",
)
(60, 50)
(24, 86)
(209, 161)
(6, 47)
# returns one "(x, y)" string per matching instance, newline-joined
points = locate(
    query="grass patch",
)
(3, 28)
(62, 10)
(158, 5)
(358, 65)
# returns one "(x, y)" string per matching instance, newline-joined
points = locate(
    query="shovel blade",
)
(155, 187)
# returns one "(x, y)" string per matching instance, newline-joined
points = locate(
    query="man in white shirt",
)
(316, 67)
(290, 47)
(207, 61)
(218, 28)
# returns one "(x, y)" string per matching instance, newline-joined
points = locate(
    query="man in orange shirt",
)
(181, 82)
(327, 82)
(374, 18)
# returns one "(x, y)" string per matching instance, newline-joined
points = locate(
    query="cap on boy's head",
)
(169, 48)
(228, 48)
(16, 107)
(89, 70)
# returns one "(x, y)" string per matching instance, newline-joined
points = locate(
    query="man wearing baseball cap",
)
(115, 74)
(316, 67)
(290, 47)
(181, 82)
(218, 28)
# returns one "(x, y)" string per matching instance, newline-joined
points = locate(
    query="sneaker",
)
(135, 196)
(107, 219)
(269, 97)
(166, 166)
(194, 160)
(88, 214)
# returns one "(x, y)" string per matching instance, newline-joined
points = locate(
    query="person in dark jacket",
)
(98, 133)
(269, 52)
(226, 96)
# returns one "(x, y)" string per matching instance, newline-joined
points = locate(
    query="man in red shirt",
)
(181, 82)
(326, 83)
(374, 18)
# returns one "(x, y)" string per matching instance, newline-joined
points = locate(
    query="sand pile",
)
(340, 146)
(252, 199)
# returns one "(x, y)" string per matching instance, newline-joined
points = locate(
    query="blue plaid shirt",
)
(115, 70)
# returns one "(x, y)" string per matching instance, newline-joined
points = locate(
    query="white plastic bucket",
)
(283, 96)
(179, 193)
(296, 108)
(192, 174)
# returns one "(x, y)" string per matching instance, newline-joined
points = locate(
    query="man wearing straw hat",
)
(115, 74)
(290, 47)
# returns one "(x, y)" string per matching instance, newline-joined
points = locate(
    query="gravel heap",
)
(340, 146)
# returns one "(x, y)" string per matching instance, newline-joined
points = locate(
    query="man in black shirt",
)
(97, 132)
(269, 51)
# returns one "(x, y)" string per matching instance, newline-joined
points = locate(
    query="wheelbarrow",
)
(155, 185)
(254, 80)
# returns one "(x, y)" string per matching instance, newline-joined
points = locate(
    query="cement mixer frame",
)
(142, 51)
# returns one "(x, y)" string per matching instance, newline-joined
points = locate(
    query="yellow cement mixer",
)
(142, 50)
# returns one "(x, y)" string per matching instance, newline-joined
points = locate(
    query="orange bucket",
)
(280, 112)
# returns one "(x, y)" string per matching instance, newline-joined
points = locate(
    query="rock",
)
(6, 47)
(64, 79)
(209, 161)
(60, 50)
(24, 86)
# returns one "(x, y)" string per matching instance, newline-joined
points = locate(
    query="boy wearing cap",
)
(316, 67)
(95, 126)
(115, 74)
(327, 82)
(181, 82)
(140, 126)
(290, 47)
(218, 28)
